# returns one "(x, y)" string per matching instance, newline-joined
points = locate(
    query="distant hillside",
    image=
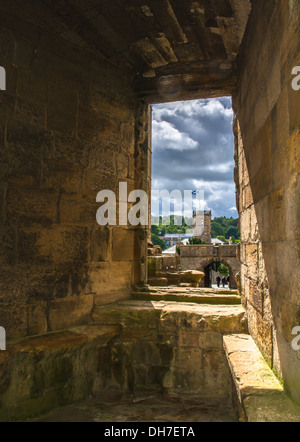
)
(221, 227)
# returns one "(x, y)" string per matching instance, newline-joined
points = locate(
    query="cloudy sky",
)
(193, 148)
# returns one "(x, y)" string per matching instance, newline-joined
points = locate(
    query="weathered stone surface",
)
(75, 120)
(267, 157)
(259, 392)
(158, 282)
(69, 312)
(114, 407)
(173, 346)
(170, 262)
(172, 277)
(154, 251)
(41, 373)
(186, 294)
(192, 276)
(101, 276)
(66, 134)
(155, 264)
(164, 267)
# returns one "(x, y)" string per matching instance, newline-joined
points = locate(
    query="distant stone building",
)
(174, 239)
(202, 226)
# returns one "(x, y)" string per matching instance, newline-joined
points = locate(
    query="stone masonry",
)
(200, 257)
(75, 119)
(267, 177)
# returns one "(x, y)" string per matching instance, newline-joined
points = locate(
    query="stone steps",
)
(194, 297)
(189, 295)
(224, 318)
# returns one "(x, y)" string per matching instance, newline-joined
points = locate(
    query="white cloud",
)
(193, 149)
(166, 136)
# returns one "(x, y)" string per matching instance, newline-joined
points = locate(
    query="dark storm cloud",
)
(193, 149)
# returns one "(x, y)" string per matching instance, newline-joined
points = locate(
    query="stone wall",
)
(40, 373)
(170, 348)
(200, 257)
(70, 126)
(267, 135)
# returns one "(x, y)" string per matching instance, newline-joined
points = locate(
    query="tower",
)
(202, 226)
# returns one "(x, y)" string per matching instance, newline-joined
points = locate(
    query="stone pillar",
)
(143, 182)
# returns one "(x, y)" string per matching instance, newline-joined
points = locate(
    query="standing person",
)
(218, 280)
(228, 281)
(224, 281)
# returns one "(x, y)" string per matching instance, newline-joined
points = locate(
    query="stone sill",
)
(261, 397)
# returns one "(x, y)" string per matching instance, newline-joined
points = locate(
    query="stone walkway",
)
(216, 296)
(149, 409)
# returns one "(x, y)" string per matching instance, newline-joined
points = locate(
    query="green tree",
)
(232, 232)
(155, 230)
(223, 269)
(217, 230)
(233, 222)
(196, 241)
(158, 242)
(172, 230)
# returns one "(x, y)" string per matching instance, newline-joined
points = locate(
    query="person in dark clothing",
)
(218, 281)
(224, 281)
(228, 281)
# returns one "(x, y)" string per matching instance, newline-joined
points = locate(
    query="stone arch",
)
(199, 257)
(206, 263)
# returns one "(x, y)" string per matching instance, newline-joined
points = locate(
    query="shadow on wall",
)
(271, 289)
(268, 197)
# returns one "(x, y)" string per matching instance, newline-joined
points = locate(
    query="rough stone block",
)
(69, 312)
(123, 244)
(158, 282)
(109, 281)
(37, 318)
(32, 204)
(259, 392)
(101, 244)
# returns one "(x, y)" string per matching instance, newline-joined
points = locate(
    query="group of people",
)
(225, 281)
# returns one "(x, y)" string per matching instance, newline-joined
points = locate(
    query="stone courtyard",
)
(87, 338)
